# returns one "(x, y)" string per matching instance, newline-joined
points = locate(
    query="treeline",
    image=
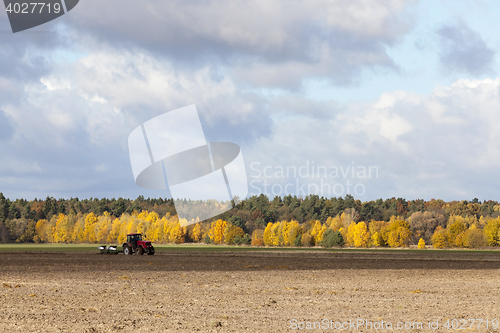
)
(288, 221)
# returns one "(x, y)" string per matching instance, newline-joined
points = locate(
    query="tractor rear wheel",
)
(127, 251)
(140, 251)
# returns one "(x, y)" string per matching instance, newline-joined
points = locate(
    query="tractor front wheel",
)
(140, 251)
(127, 251)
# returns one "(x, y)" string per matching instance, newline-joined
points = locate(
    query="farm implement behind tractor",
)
(112, 249)
(134, 244)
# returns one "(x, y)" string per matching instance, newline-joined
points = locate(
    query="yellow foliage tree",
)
(60, 234)
(316, 230)
(319, 236)
(89, 229)
(343, 232)
(103, 228)
(115, 231)
(196, 233)
(456, 230)
(350, 234)
(399, 233)
(360, 236)
(474, 237)
(216, 232)
(276, 236)
(178, 234)
(154, 227)
(40, 229)
(267, 237)
(440, 238)
(460, 240)
(140, 226)
(307, 239)
(231, 232)
(380, 232)
(292, 231)
(126, 225)
(168, 224)
(258, 237)
(283, 232)
(77, 236)
(142, 215)
(421, 244)
(377, 240)
(158, 230)
(482, 221)
(335, 223)
(152, 217)
(377, 227)
(491, 231)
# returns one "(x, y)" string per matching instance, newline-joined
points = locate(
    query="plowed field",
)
(248, 291)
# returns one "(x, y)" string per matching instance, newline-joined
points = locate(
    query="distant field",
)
(224, 248)
(48, 247)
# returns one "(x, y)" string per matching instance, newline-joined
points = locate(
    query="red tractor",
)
(136, 244)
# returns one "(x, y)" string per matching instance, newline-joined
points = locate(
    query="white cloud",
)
(444, 144)
(256, 25)
(420, 143)
(263, 43)
(77, 119)
(128, 79)
(109, 93)
(54, 84)
(68, 120)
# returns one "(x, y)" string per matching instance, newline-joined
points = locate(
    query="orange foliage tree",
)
(258, 237)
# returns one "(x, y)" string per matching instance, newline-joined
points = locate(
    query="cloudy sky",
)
(405, 93)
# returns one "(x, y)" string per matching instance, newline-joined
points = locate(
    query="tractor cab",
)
(133, 239)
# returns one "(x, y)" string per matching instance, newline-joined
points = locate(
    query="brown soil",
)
(236, 292)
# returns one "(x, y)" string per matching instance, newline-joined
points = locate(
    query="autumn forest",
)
(258, 221)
